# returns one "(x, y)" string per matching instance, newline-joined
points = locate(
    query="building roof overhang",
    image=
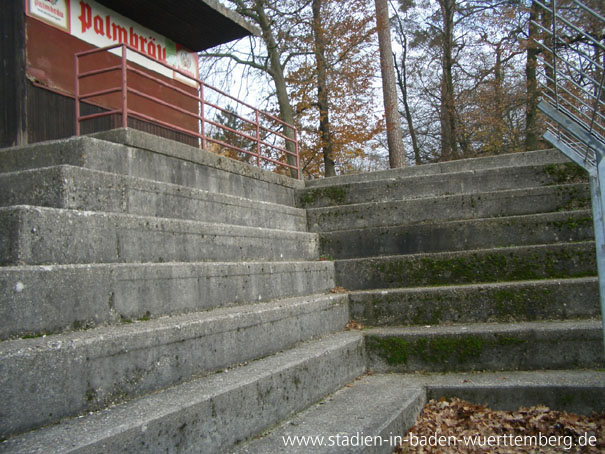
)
(196, 24)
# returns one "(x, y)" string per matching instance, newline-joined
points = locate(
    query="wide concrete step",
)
(39, 236)
(514, 202)
(560, 260)
(459, 235)
(472, 181)
(79, 188)
(368, 415)
(486, 346)
(575, 391)
(211, 414)
(532, 158)
(37, 300)
(547, 299)
(138, 154)
(45, 379)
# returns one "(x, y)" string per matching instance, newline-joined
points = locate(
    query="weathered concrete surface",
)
(556, 299)
(521, 263)
(473, 181)
(150, 142)
(459, 235)
(79, 188)
(40, 236)
(512, 202)
(380, 407)
(47, 299)
(211, 414)
(45, 379)
(577, 391)
(169, 162)
(486, 346)
(532, 158)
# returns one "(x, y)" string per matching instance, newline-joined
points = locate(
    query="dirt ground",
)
(456, 426)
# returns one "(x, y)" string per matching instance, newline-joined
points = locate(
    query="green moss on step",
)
(566, 173)
(335, 194)
(443, 352)
(521, 304)
(572, 223)
(440, 350)
(393, 350)
(489, 267)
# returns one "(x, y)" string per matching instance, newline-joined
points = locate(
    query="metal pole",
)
(202, 108)
(257, 139)
(298, 172)
(124, 88)
(597, 183)
(77, 92)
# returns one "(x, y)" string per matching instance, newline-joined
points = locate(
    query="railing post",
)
(124, 88)
(77, 92)
(298, 172)
(257, 139)
(203, 117)
(597, 181)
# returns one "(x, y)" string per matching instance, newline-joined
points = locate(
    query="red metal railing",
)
(269, 141)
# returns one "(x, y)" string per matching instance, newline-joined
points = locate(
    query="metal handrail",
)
(284, 132)
(573, 103)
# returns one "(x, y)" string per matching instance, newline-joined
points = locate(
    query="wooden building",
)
(40, 37)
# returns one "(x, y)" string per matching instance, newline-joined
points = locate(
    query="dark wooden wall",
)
(13, 124)
(36, 87)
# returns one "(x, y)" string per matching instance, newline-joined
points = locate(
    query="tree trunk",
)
(402, 80)
(499, 120)
(322, 90)
(389, 87)
(449, 139)
(531, 110)
(277, 74)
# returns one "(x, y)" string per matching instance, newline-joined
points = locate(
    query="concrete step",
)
(512, 202)
(52, 377)
(532, 158)
(575, 391)
(79, 188)
(381, 408)
(560, 260)
(138, 154)
(38, 236)
(486, 346)
(366, 416)
(548, 299)
(37, 300)
(459, 235)
(473, 181)
(210, 414)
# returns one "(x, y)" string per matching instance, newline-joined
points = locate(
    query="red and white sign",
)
(97, 25)
(53, 12)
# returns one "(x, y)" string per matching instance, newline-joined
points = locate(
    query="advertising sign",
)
(97, 25)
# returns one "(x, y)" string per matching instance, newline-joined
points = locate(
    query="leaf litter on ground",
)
(528, 430)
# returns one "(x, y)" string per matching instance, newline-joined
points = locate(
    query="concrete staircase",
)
(492, 267)
(156, 298)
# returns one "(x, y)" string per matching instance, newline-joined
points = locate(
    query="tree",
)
(389, 90)
(322, 89)
(334, 88)
(402, 81)
(533, 49)
(320, 61)
(273, 62)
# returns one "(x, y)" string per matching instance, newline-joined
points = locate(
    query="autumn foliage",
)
(457, 419)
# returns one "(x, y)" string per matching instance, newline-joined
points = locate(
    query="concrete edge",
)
(142, 140)
(206, 414)
(553, 156)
